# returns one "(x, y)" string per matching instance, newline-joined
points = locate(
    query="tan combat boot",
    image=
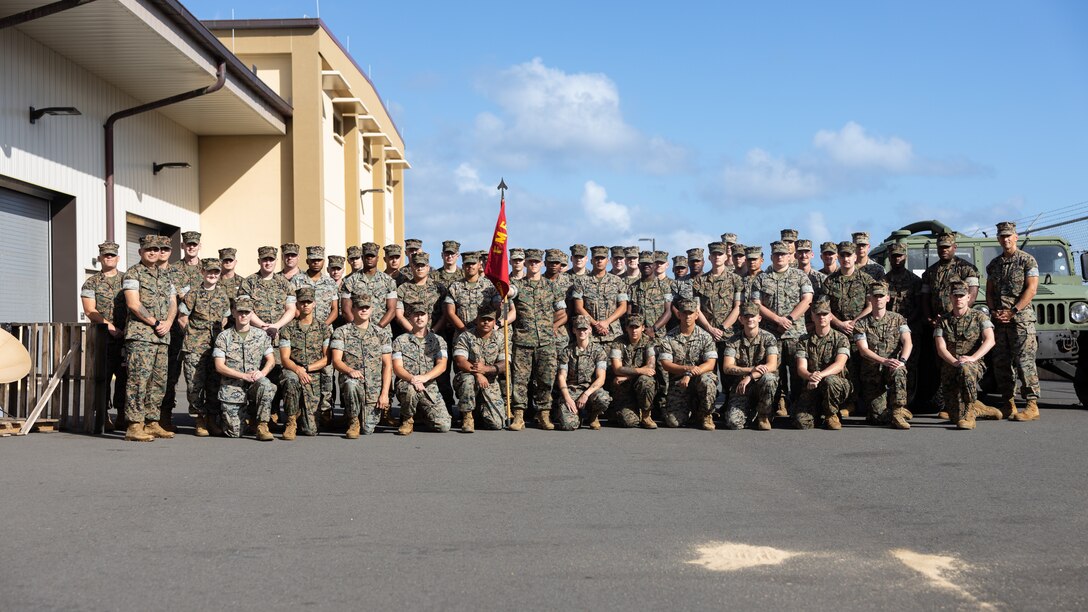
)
(899, 418)
(595, 423)
(907, 414)
(544, 419)
(967, 422)
(263, 435)
(406, 426)
(155, 430)
(833, 422)
(291, 429)
(782, 410)
(135, 433)
(944, 416)
(982, 411)
(1008, 411)
(275, 418)
(200, 429)
(647, 421)
(518, 423)
(763, 423)
(1030, 413)
(353, 428)
(387, 418)
(467, 423)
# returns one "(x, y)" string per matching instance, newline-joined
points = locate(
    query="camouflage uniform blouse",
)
(242, 352)
(781, 292)
(635, 355)
(873, 269)
(474, 348)
(816, 279)
(750, 352)
(185, 276)
(536, 302)
(936, 278)
(156, 295)
(418, 356)
(716, 295)
(230, 285)
(270, 295)
(882, 335)
(307, 342)
(904, 287)
(651, 297)
(848, 294)
(363, 350)
(1008, 276)
(963, 334)
(380, 287)
(467, 298)
(431, 294)
(206, 309)
(445, 279)
(821, 351)
(600, 297)
(325, 293)
(690, 350)
(581, 365)
(109, 299)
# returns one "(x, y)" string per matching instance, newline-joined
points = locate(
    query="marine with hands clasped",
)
(783, 295)
(963, 337)
(822, 356)
(103, 302)
(580, 379)
(244, 359)
(419, 358)
(361, 352)
(307, 373)
(883, 342)
(689, 358)
(326, 311)
(634, 365)
(541, 312)
(369, 280)
(750, 361)
(601, 298)
(184, 274)
(480, 371)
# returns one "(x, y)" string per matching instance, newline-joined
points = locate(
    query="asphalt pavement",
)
(858, 519)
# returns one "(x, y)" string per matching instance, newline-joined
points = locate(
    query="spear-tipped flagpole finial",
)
(502, 187)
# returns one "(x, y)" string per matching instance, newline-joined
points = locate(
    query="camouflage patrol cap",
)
(392, 250)
(211, 263)
(336, 261)
(631, 251)
(370, 248)
(802, 244)
(290, 248)
(821, 306)
(534, 255)
(897, 248)
(695, 253)
(878, 288)
(362, 299)
(108, 248)
(753, 252)
(516, 254)
(149, 240)
(738, 249)
(1006, 228)
(789, 235)
(661, 257)
(190, 237)
(355, 252)
(581, 322)
(420, 257)
(243, 303)
(487, 311)
(829, 247)
(848, 247)
(860, 237)
(680, 261)
(618, 251)
(470, 257)
(413, 243)
(780, 248)
(267, 251)
(946, 239)
(717, 247)
(553, 256)
(315, 252)
(729, 238)
(228, 253)
(164, 242)
(411, 308)
(749, 309)
(686, 305)
(957, 288)
(634, 316)
(599, 251)
(578, 250)
(451, 246)
(304, 294)
(645, 257)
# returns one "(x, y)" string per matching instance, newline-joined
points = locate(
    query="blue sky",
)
(615, 121)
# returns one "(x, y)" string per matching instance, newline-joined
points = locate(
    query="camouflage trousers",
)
(565, 420)
(1014, 360)
(692, 401)
(630, 399)
(487, 403)
(201, 382)
(173, 367)
(360, 400)
(959, 387)
(757, 400)
(328, 375)
(427, 408)
(881, 391)
(534, 369)
(146, 380)
(235, 395)
(823, 401)
(308, 396)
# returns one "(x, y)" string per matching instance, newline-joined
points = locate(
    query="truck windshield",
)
(1051, 257)
(917, 259)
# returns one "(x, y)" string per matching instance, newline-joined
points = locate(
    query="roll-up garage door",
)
(24, 258)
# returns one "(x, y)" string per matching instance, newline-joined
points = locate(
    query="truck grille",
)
(1050, 314)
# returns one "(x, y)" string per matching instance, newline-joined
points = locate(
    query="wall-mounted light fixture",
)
(38, 113)
(157, 167)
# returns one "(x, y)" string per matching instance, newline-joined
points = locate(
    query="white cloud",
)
(763, 177)
(468, 180)
(817, 230)
(853, 148)
(601, 211)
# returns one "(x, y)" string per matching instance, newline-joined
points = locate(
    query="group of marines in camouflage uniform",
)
(588, 340)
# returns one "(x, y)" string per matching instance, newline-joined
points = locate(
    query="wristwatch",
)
(1014, 310)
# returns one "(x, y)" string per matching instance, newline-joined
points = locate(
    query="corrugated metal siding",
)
(24, 258)
(65, 154)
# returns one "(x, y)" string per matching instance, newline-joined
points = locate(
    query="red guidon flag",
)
(498, 268)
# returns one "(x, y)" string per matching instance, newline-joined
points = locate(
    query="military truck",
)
(1061, 303)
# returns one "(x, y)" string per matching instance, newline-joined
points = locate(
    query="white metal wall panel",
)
(24, 258)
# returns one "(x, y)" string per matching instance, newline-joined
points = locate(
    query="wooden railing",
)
(67, 361)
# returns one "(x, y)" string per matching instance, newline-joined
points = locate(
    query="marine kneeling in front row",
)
(581, 375)
(243, 358)
(963, 338)
(751, 359)
(478, 357)
(362, 353)
(419, 358)
(821, 366)
(883, 342)
(689, 357)
(634, 362)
